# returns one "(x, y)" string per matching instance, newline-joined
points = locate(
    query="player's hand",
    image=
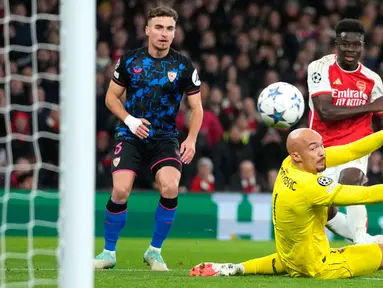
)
(138, 126)
(187, 150)
(143, 130)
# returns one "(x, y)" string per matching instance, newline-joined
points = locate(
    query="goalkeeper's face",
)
(307, 151)
(313, 154)
(160, 32)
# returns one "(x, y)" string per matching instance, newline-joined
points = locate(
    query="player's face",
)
(313, 157)
(349, 49)
(160, 31)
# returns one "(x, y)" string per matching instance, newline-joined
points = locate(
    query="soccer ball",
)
(281, 105)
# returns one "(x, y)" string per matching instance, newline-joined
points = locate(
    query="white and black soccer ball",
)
(281, 105)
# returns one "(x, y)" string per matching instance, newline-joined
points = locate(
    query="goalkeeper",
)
(300, 201)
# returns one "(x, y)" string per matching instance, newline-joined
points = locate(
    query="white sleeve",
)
(318, 79)
(377, 90)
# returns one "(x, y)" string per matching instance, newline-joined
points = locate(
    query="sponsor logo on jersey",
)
(137, 70)
(349, 97)
(337, 82)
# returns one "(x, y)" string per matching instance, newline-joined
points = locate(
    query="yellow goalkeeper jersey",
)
(300, 203)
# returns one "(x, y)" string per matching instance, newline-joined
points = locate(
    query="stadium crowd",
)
(238, 47)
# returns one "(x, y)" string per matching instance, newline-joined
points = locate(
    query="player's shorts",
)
(334, 172)
(352, 261)
(129, 155)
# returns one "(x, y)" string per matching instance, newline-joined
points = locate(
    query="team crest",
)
(172, 76)
(324, 181)
(116, 161)
(361, 85)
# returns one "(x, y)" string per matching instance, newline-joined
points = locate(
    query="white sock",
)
(241, 268)
(339, 225)
(111, 252)
(154, 248)
(357, 220)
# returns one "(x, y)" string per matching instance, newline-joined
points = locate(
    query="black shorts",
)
(130, 155)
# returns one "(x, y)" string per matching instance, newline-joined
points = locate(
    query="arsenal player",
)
(344, 95)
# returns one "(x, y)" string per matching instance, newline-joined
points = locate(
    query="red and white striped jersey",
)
(349, 89)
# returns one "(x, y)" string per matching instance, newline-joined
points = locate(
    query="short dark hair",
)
(162, 12)
(349, 25)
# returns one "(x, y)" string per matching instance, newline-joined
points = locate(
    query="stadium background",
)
(239, 47)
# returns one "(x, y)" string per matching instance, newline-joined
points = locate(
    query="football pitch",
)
(180, 255)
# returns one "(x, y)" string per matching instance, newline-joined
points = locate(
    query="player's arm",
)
(113, 100)
(323, 191)
(320, 91)
(191, 87)
(196, 115)
(358, 195)
(117, 92)
(338, 155)
(328, 112)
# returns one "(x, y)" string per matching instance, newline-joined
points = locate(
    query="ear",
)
(147, 30)
(296, 157)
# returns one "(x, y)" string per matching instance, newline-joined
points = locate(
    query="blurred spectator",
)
(204, 180)
(228, 153)
(246, 179)
(103, 160)
(375, 168)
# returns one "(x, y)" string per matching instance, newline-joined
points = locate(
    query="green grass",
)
(180, 255)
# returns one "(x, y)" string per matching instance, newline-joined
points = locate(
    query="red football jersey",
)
(348, 88)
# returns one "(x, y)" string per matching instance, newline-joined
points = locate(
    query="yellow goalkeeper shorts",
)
(352, 261)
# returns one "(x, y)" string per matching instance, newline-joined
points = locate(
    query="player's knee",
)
(351, 176)
(331, 213)
(169, 188)
(121, 191)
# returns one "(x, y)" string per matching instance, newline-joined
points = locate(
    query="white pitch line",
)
(98, 270)
(139, 270)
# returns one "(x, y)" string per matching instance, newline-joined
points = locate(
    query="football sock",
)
(164, 217)
(357, 222)
(339, 225)
(268, 265)
(115, 219)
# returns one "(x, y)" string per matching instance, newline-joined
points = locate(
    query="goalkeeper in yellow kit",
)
(300, 201)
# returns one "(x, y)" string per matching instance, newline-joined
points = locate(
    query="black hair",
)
(349, 25)
(162, 12)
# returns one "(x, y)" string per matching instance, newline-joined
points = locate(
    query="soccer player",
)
(340, 87)
(154, 79)
(301, 198)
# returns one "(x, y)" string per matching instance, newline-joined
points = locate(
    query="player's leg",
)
(337, 221)
(125, 165)
(353, 173)
(356, 215)
(165, 164)
(268, 265)
(353, 261)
